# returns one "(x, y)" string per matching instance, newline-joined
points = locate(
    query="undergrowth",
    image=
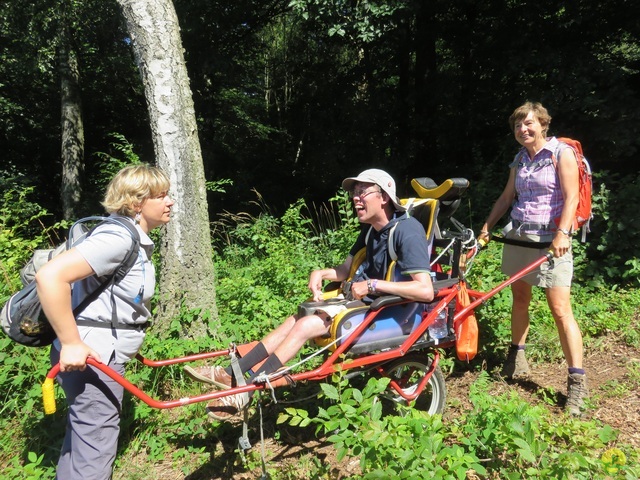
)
(500, 437)
(262, 268)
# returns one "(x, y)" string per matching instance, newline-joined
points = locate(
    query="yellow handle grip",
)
(48, 397)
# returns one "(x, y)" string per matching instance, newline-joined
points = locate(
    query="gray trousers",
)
(93, 422)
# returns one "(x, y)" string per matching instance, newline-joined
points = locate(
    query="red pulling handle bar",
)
(481, 298)
(48, 397)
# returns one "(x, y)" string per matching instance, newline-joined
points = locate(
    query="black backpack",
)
(22, 318)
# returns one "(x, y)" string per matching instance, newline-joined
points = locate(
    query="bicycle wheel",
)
(407, 371)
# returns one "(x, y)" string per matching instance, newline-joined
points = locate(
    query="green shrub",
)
(264, 264)
(388, 446)
(262, 267)
(513, 438)
(22, 230)
(520, 439)
(613, 254)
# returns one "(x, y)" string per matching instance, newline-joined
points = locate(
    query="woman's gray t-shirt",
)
(104, 250)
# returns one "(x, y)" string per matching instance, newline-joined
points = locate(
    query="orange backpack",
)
(583, 212)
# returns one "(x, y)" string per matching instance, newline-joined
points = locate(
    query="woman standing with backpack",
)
(112, 328)
(543, 198)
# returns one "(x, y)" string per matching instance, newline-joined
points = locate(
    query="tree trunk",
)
(187, 276)
(72, 127)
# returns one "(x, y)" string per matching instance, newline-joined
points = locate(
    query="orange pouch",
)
(466, 328)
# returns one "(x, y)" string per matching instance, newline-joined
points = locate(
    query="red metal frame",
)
(481, 297)
(333, 362)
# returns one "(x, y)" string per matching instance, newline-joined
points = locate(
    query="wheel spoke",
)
(407, 372)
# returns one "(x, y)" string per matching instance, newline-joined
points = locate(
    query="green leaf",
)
(376, 411)
(330, 391)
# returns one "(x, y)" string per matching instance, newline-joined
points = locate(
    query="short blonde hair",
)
(538, 110)
(131, 186)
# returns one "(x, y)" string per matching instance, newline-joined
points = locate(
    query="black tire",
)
(408, 370)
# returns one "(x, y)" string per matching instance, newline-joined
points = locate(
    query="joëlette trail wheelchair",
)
(391, 337)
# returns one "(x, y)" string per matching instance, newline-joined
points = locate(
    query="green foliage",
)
(110, 165)
(613, 256)
(22, 230)
(518, 438)
(299, 93)
(510, 436)
(25, 456)
(218, 186)
(32, 141)
(388, 446)
(31, 470)
(264, 264)
(361, 21)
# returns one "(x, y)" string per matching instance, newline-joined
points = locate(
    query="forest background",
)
(292, 96)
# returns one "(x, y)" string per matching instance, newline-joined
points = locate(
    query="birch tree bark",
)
(187, 275)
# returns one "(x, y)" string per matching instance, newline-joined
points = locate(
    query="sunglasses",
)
(362, 193)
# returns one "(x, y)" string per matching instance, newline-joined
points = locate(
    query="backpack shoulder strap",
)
(576, 146)
(120, 272)
(517, 160)
(133, 252)
(562, 146)
(390, 245)
(366, 238)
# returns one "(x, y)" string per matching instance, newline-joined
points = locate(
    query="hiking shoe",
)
(577, 391)
(515, 365)
(225, 408)
(215, 375)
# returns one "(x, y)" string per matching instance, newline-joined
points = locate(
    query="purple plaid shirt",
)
(539, 197)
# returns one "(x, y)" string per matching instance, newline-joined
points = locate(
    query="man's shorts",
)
(515, 258)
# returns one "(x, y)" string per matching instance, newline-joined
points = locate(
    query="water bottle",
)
(438, 329)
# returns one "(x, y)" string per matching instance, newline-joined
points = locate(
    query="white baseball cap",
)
(380, 178)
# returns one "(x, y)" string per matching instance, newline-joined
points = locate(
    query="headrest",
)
(450, 189)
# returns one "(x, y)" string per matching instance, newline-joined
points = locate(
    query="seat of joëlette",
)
(393, 323)
(394, 320)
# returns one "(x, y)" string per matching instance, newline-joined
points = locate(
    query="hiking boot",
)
(215, 375)
(577, 391)
(225, 408)
(515, 365)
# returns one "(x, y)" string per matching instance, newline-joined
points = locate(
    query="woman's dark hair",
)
(538, 110)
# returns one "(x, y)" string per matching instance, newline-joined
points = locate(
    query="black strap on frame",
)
(522, 243)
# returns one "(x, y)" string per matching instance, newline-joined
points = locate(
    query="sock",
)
(579, 371)
(253, 356)
(517, 347)
(272, 364)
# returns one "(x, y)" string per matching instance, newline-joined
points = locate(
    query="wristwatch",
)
(565, 231)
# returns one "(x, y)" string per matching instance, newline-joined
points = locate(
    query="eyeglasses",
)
(362, 193)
